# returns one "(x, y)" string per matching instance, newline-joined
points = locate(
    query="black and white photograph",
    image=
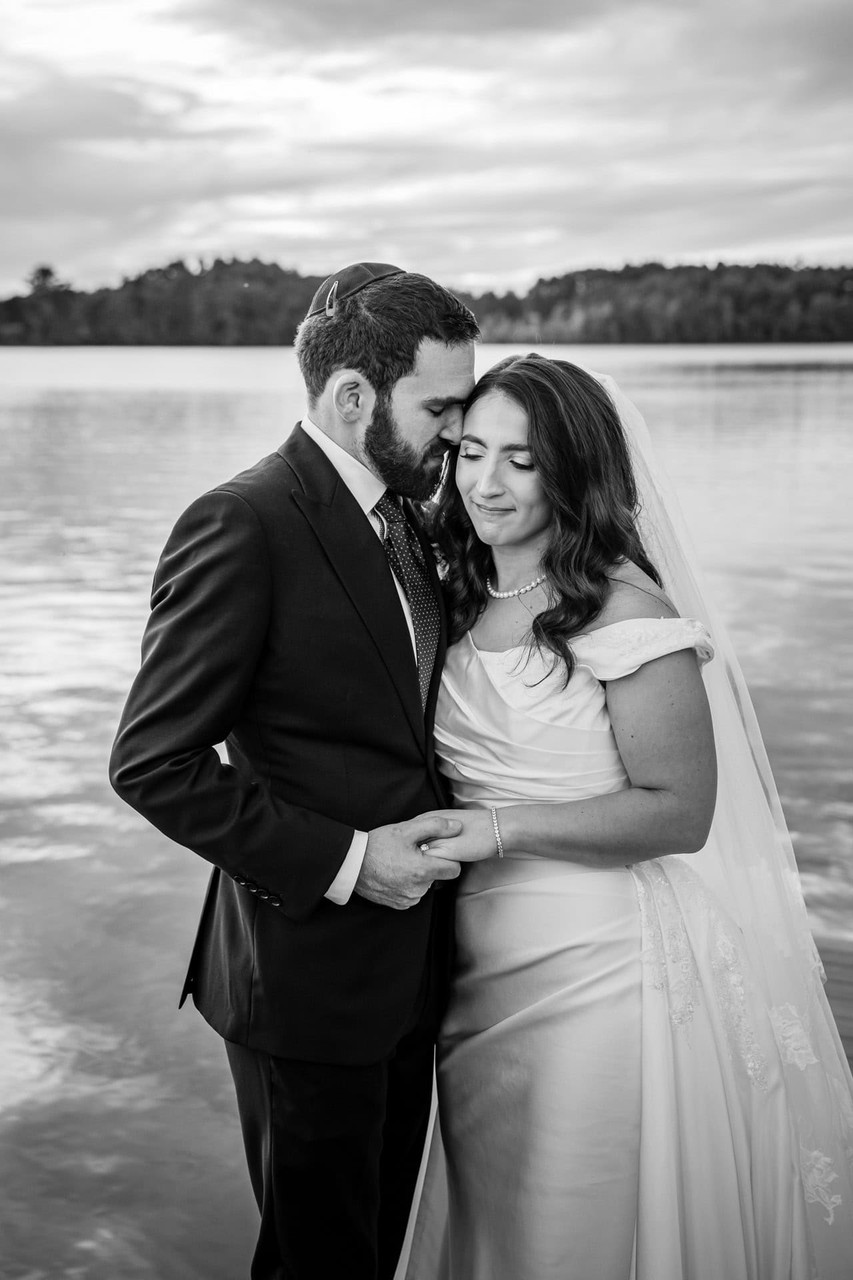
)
(426, 640)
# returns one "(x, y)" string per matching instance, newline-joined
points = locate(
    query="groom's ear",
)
(353, 397)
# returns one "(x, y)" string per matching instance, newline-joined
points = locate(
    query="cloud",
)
(480, 143)
(59, 107)
(327, 24)
(805, 42)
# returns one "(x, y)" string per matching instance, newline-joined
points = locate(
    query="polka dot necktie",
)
(405, 557)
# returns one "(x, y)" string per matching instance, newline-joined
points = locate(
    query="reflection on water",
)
(119, 1149)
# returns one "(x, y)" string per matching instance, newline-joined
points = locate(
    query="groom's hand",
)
(396, 872)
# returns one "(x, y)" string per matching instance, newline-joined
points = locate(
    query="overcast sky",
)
(485, 142)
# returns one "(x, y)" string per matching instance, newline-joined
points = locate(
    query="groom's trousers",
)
(333, 1154)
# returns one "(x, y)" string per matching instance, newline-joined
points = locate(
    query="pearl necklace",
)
(519, 591)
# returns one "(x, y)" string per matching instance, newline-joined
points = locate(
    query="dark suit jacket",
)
(276, 627)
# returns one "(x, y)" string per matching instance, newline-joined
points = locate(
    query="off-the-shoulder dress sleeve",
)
(623, 647)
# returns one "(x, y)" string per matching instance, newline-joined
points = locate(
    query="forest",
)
(260, 304)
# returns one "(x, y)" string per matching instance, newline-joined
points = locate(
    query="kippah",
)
(343, 284)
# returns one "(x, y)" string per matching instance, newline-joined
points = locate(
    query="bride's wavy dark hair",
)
(582, 459)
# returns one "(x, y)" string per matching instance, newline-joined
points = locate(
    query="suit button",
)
(275, 901)
(263, 893)
(239, 880)
(252, 887)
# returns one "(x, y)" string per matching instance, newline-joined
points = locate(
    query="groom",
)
(296, 616)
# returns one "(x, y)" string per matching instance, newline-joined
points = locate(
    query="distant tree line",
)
(224, 304)
(261, 304)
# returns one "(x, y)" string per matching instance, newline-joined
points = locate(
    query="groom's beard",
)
(402, 469)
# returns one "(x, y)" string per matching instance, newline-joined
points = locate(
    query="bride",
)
(639, 1077)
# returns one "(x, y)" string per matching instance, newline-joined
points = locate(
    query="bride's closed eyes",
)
(470, 453)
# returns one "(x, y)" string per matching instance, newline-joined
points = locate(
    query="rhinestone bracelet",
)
(497, 831)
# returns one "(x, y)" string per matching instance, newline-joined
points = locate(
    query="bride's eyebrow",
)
(505, 448)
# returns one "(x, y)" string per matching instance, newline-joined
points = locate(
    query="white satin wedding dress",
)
(619, 1097)
(640, 1076)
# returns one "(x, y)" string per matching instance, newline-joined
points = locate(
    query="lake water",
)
(120, 1155)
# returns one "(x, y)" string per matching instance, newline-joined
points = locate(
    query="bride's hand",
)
(475, 842)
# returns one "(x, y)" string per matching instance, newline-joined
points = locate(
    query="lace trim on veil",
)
(748, 881)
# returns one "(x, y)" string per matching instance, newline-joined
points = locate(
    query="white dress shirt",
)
(367, 489)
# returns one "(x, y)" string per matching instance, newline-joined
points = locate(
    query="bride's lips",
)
(491, 511)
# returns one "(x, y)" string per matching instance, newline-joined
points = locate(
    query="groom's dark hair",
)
(378, 331)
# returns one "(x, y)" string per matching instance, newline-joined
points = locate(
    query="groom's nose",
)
(451, 427)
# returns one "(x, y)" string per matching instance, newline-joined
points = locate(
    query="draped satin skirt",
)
(613, 1103)
(538, 1080)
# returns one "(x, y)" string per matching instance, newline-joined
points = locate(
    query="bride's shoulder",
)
(632, 594)
(637, 624)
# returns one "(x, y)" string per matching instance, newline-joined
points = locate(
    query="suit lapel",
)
(357, 557)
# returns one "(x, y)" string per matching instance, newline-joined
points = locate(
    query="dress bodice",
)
(509, 730)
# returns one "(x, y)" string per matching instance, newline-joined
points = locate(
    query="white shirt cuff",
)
(340, 890)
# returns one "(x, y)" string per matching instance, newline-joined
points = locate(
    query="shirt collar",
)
(364, 486)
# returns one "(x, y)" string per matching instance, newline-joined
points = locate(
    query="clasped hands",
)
(403, 859)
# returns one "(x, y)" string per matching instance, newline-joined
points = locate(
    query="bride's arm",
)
(662, 725)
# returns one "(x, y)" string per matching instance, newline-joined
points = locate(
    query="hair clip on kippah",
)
(332, 299)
